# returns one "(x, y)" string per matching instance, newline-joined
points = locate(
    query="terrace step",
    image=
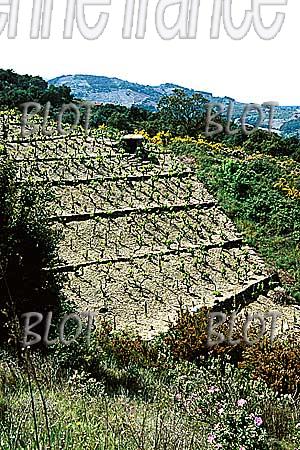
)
(109, 238)
(134, 193)
(127, 211)
(129, 178)
(173, 251)
(145, 294)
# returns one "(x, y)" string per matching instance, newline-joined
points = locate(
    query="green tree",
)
(271, 143)
(119, 120)
(182, 114)
(16, 89)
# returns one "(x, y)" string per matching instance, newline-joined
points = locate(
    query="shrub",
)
(232, 405)
(277, 364)
(27, 246)
(187, 339)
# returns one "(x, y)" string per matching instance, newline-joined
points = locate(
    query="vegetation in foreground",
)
(94, 398)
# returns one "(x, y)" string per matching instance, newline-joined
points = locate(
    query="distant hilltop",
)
(100, 89)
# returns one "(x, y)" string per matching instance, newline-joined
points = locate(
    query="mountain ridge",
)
(102, 89)
(96, 87)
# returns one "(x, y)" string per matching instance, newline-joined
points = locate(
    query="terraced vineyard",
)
(142, 237)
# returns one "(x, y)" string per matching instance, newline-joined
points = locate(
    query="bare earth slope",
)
(141, 239)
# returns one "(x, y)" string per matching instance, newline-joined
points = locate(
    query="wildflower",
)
(178, 397)
(221, 410)
(211, 438)
(188, 403)
(258, 421)
(241, 402)
(213, 389)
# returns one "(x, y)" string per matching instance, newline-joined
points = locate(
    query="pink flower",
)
(213, 389)
(242, 448)
(241, 402)
(211, 438)
(258, 421)
(178, 397)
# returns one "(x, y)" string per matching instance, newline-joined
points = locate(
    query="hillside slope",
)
(100, 89)
(113, 90)
(141, 238)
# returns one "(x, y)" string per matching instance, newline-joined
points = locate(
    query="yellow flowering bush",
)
(284, 186)
(165, 138)
(102, 127)
(143, 133)
(8, 112)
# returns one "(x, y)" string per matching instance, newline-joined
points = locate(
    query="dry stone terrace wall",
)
(141, 239)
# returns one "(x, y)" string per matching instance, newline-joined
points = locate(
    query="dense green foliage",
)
(16, 89)
(182, 115)
(27, 245)
(260, 193)
(120, 117)
(264, 142)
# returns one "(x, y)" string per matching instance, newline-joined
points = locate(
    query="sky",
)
(250, 69)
